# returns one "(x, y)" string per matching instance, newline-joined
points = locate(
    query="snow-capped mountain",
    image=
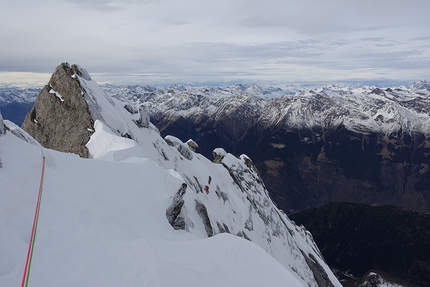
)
(18, 94)
(361, 144)
(16, 101)
(143, 211)
(363, 109)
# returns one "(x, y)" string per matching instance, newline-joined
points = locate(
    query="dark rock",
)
(318, 271)
(175, 209)
(130, 109)
(378, 91)
(143, 121)
(218, 154)
(203, 212)
(243, 235)
(221, 195)
(192, 144)
(183, 149)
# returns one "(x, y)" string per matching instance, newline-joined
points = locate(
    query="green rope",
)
(27, 268)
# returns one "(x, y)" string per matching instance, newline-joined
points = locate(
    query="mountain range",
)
(359, 144)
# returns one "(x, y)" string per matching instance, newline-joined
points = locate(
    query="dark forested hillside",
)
(359, 237)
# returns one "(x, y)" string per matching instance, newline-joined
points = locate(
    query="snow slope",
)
(104, 224)
(104, 221)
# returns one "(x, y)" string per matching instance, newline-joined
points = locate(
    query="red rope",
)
(28, 260)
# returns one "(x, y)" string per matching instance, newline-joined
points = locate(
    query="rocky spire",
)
(60, 118)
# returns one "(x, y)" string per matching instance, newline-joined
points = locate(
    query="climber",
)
(207, 189)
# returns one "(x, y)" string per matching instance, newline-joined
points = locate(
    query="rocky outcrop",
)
(143, 121)
(192, 145)
(203, 213)
(183, 149)
(60, 118)
(175, 209)
(318, 271)
(218, 154)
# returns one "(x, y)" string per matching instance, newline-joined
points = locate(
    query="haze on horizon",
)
(190, 41)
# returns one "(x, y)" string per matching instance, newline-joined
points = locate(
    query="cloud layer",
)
(189, 41)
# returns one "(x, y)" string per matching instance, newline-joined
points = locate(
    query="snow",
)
(52, 91)
(374, 279)
(103, 144)
(103, 224)
(220, 152)
(20, 133)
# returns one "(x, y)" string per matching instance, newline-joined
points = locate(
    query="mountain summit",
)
(143, 210)
(60, 118)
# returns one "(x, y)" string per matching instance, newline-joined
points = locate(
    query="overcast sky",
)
(196, 41)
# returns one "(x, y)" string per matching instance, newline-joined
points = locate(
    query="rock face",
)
(174, 210)
(60, 118)
(359, 238)
(183, 149)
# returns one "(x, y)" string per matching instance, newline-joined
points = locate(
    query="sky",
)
(200, 41)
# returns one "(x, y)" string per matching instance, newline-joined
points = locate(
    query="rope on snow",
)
(27, 266)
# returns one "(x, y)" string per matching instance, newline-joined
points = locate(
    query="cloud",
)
(176, 22)
(105, 5)
(242, 40)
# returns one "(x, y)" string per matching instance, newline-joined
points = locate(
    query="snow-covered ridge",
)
(212, 204)
(140, 212)
(362, 109)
